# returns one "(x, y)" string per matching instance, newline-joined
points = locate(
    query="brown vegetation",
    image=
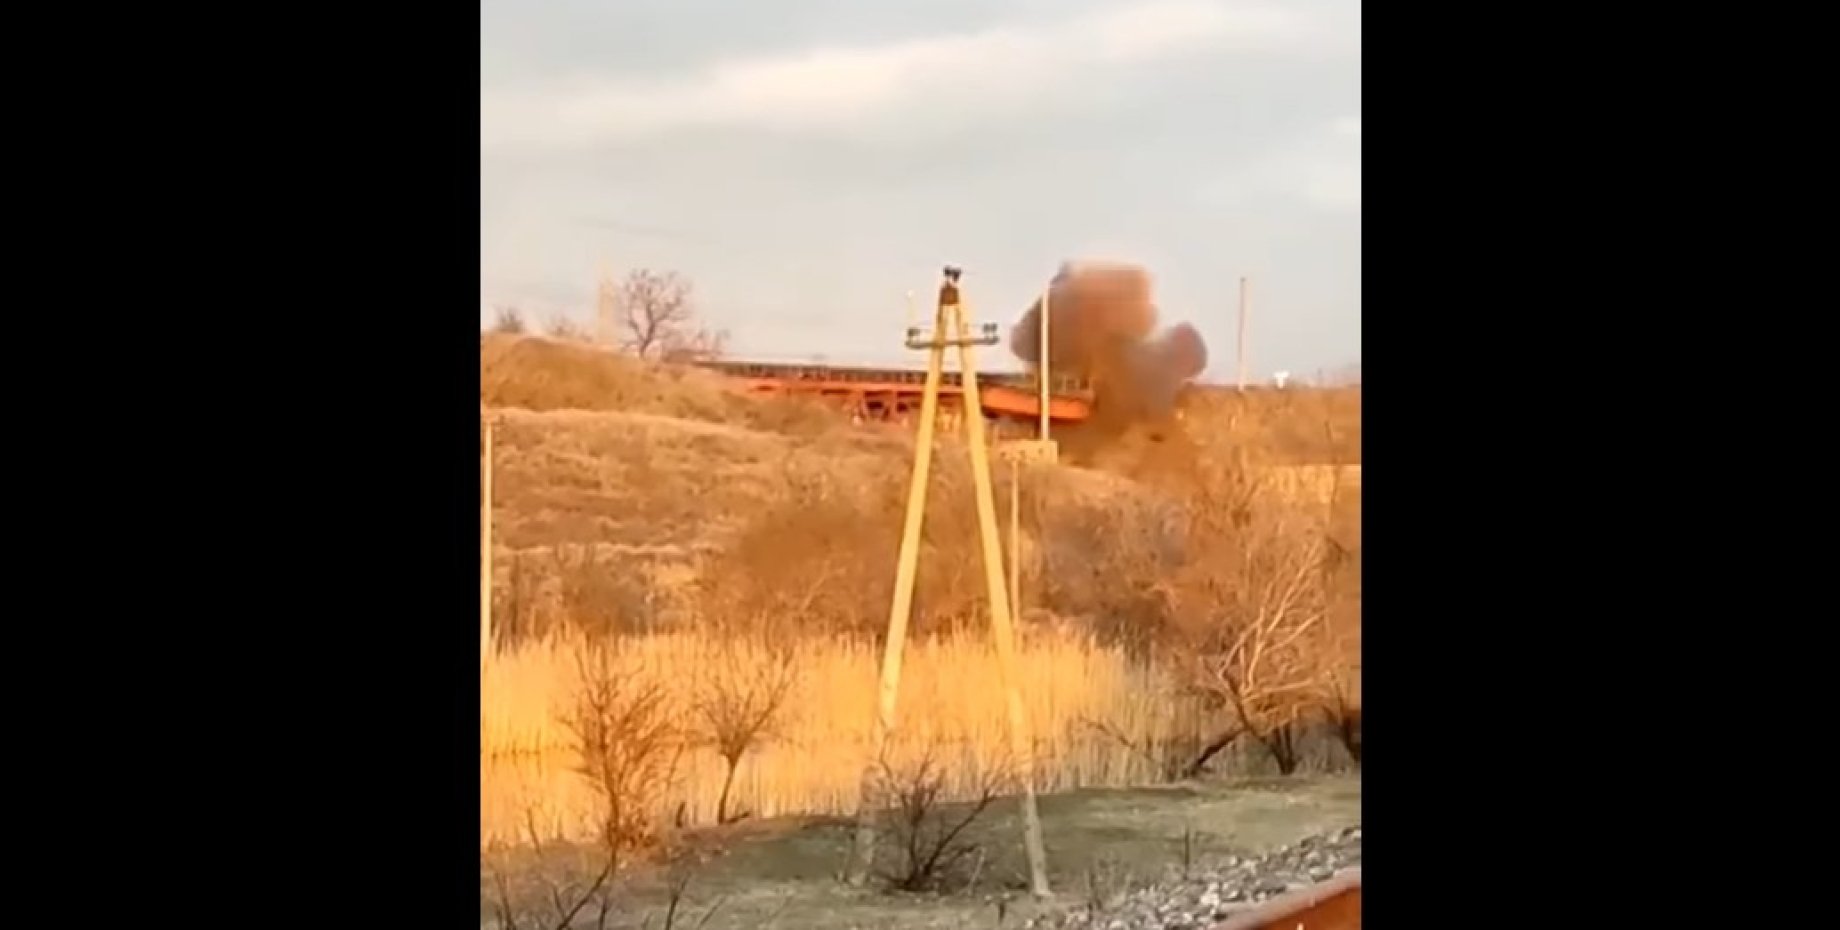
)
(508, 320)
(637, 498)
(738, 704)
(628, 744)
(1248, 606)
(929, 838)
(537, 374)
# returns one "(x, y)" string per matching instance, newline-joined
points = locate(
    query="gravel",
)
(1212, 890)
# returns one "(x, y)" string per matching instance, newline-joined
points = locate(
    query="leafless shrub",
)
(1348, 731)
(1106, 561)
(517, 603)
(680, 885)
(737, 704)
(817, 560)
(1340, 646)
(561, 886)
(1341, 699)
(566, 882)
(628, 745)
(811, 562)
(1108, 881)
(929, 837)
(1170, 760)
(601, 596)
(564, 329)
(509, 320)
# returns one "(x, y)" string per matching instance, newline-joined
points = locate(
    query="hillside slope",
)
(628, 493)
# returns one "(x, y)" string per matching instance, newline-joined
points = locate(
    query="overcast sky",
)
(808, 162)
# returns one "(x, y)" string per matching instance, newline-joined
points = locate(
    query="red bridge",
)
(890, 393)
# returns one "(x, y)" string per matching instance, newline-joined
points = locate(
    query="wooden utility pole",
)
(1242, 332)
(950, 329)
(900, 608)
(1015, 538)
(1042, 370)
(1002, 627)
(485, 541)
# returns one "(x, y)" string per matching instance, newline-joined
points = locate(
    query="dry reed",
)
(950, 704)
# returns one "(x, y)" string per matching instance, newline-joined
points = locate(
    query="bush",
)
(628, 747)
(931, 846)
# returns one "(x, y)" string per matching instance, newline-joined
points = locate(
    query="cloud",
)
(1321, 169)
(1332, 186)
(938, 79)
(1333, 181)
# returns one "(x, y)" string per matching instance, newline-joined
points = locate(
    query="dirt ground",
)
(782, 875)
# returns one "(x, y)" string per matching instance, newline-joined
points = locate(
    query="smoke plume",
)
(1101, 327)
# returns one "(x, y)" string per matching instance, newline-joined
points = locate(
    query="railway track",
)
(1331, 905)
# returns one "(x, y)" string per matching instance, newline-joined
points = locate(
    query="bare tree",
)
(737, 703)
(656, 318)
(1250, 605)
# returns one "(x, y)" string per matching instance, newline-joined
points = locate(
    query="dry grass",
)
(1299, 427)
(949, 699)
(644, 512)
(780, 875)
(642, 479)
(655, 503)
(534, 373)
(1295, 426)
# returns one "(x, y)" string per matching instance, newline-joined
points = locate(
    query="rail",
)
(1331, 905)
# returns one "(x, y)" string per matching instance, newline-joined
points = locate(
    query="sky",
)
(808, 164)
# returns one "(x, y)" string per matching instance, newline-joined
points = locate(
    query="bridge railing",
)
(784, 372)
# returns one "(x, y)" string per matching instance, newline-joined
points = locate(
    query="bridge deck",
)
(895, 390)
(903, 377)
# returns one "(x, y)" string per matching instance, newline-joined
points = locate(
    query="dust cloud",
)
(1102, 327)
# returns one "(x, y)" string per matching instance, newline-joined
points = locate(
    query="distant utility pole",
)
(1043, 371)
(485, 538)
(1242, 332)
